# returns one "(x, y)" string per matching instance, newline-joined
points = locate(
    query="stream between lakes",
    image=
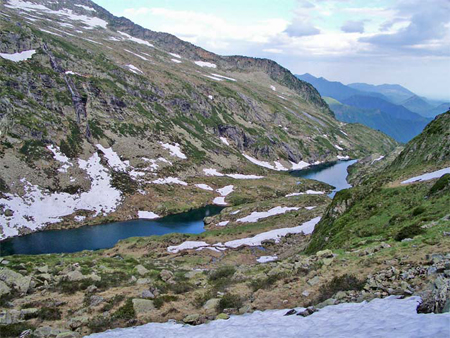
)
(107, 235)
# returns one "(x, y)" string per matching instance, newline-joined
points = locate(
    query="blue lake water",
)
(334, 173)
(106, 235)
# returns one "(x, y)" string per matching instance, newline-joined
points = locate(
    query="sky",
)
(377, 41)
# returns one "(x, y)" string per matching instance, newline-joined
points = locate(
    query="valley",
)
(149, 186)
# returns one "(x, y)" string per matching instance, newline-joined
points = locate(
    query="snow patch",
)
(205, 64)
(113, 158)
(174, 149)
(213, 78)
(169, 180)
(60, 158)
(224, 141)
(175, 55)
(300, 165)
(429, 176)
(244, 177)
(86, 8)
(339, 157)
(135, 54)
(273, 88)
(338, 147)
(137, 40)
(147, 215)
(222, 224)
(266, 259)
(134, 69)
(256, 216)
(175, 60)
(212, 172)
(307, 192)
(377, 159)
(204, 187)
(21, 56)
(223, 77)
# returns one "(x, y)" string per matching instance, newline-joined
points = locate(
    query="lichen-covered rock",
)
(143, 306)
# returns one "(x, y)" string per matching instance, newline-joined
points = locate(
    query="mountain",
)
(334, 89)
(394, 92)
(371, 109)
(401, 129)
(417, 105)
(439, 109)
(101, 112)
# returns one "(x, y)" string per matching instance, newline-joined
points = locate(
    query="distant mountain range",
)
(390, 108)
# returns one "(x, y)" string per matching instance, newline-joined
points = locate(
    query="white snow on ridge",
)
(60, 158)
(90, 22)
(377, 159)
(428, 176)
(205, 64)
(134, 69)
(147, 215)
(175, 55)
(174, 149)
(39, 207)
(278, 166)
(224, 141)
(175, 60)
(137, 40)
(256, 216)
(21, 56)
(223, 77)
(389, 318)
(86, 8)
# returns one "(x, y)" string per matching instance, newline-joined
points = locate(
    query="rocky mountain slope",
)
(102, 119)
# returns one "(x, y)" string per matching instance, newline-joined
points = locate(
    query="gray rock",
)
(211, 306)
(74, 276)
(47, 332)
(4, 289)
(9, 213)
(9, 317)
(143, 306)
(69, 334)
(91, 289)
(96, 300)
(9, 276)
(314, 281)
(244, 309)
(328, 302)
(78, 321)
(291, 312)
(23, 284)
(143, 281)
(192, 319)
(147, 294)
(166, 275)
(141, 270)
(307, 312)
(42, 269)
(324, 254)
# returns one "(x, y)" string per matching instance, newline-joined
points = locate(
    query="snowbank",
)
(147, 215)
(17, 57)
(255, 216)
(175, 150)
(389, 318)
(429, 176)
(307, 192)
(205, 64)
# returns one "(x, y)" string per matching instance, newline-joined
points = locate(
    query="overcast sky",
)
(377, 41)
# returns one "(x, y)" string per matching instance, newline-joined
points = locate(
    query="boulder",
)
(143, 281)
(313, 281)
(142, 306)
(42, 269)
(147, 294)
(23, 284)
(9, 317)
(324, 254)
(223, 316)
(48, 332)
(78, 321)
(69, 334)
(8, 276)
(211, 306)
(74, 276)
(291, 312)
(141, 270)
(166, 275)
(96, 300)
(192, 319)
(4, 289)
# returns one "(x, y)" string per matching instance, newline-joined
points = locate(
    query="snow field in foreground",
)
(389, 318)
